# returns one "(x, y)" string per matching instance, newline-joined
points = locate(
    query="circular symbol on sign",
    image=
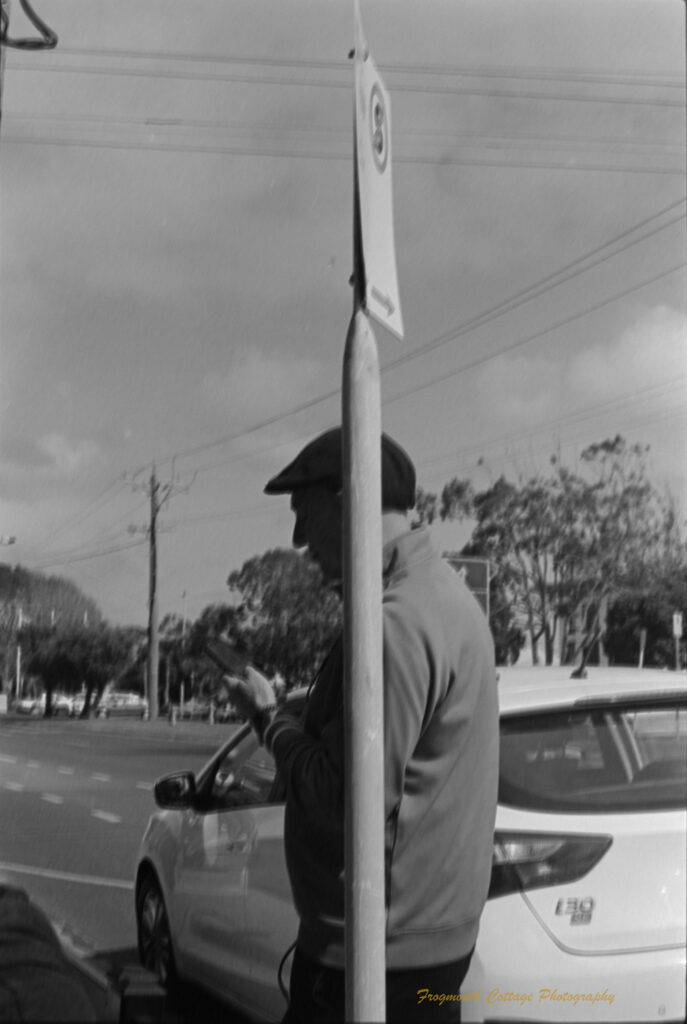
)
(379, 128)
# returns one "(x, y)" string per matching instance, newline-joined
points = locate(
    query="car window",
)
(245, 776)
(617, 758)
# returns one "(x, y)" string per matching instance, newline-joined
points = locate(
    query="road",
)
(75, 797)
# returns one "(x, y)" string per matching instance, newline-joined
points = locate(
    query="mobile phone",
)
(226, 656)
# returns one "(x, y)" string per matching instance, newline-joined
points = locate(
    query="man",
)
(440, 755)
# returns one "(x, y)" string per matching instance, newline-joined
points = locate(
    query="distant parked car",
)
(194, 709)
(31, 705)
(78, 702)
(61, 705)
(226, 713)
(117, 705)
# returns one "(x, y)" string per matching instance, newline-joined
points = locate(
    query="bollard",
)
(172, 715)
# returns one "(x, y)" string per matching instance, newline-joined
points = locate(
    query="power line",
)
(473, 139)
(621, 77)
(564, 274)
(344, 83)
(511, 451)
(99, 553)
(506, 305)
(88, 509)
(233, 513)
(276, 152)
(564, 322)
(492, 312)
(574, 416)
(584, 412)
(81, 516)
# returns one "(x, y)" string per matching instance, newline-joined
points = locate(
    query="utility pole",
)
(158, 493)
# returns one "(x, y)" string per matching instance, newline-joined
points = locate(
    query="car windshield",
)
(614, 757)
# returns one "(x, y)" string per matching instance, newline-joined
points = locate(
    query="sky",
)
(176, 203)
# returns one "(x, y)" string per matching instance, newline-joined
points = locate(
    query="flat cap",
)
(321, 461)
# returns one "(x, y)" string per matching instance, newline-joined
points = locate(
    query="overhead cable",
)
(552, 280)
(326, 83)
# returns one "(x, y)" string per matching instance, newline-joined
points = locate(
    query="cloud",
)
(66, 458)
(648, 353)
(643, 362)
(259, 385)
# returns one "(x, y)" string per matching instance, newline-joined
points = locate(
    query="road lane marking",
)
(7, 759)
(67, 876)
(101, 778)
(52, 798)
(144, 785)
(16, 787)
(114, 819)
(65, 771)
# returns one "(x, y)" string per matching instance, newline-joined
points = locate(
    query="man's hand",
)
(253, 698)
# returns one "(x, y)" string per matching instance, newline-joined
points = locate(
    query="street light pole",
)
(153, 638)
(17, 684)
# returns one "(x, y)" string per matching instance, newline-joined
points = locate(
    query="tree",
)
(183, 654)
(565, 545)
(287, 617)
(458, 501)
(619, 519)
(68, 659)
(42, 602)
(656, 587)
(426, 508)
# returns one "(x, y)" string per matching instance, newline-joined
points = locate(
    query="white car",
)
(77, 706)
(31, 705)
(122, 704)
(585, 919)
(61, 705)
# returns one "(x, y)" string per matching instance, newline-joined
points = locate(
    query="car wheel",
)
(154, 938)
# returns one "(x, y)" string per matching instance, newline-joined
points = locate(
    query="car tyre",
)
(154, 937)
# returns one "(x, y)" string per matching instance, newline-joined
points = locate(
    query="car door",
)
(271, 921)
(211, 876)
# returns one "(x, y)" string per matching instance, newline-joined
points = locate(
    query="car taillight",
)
(532, 860)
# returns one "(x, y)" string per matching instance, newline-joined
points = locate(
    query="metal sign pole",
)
(375, 285)
(363, 694)
(364, 791)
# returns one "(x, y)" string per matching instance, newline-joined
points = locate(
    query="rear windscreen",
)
(608, 758)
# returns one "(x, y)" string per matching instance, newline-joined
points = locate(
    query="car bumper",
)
(538, 981)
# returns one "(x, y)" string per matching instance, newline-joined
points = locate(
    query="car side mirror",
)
(175, 792)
